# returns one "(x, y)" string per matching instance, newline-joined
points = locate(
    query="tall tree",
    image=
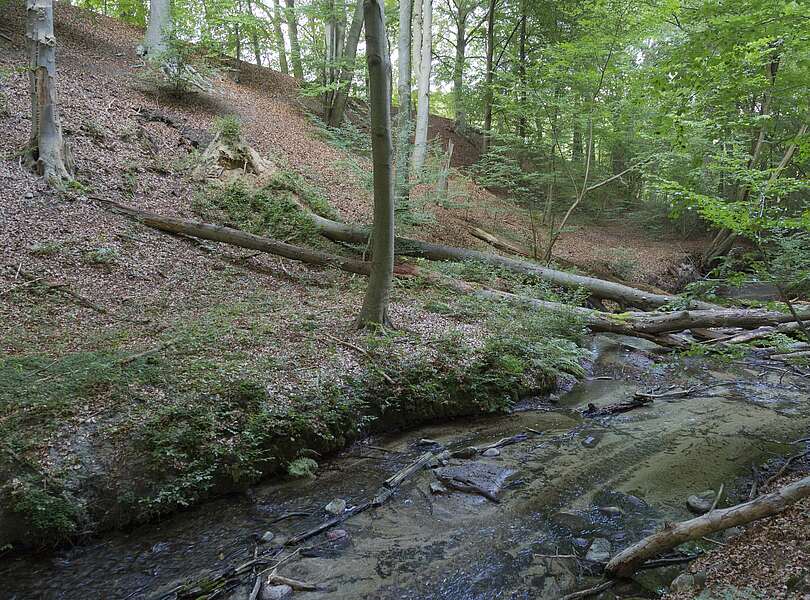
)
(159, 26)
(254, 37)
(423, 88)
(280, 44)
(338, 108)
(463, 10)
(295, 48)
(47, 152)
(489, 75)
(403, 187)
(375, 303)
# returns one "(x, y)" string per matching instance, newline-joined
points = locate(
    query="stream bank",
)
(575, 485)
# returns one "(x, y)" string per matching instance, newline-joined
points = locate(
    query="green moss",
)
(49, 513)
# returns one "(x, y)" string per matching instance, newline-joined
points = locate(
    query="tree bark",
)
(522, 70)
(375, 303)
(489, 77)
(623, 294)
(295, 48)
(254, 37)
(626, 562)
(338, 108)
(334, 29)
(458, 67)
(403, 186)
(423, 88)
(160, 24)
(280, 44)
(46, 153)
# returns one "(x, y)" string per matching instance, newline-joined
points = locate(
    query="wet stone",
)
(700, 503)
(491, 452)
(467, 452)
(685, 582)
(336, 534)
(267, 537)
(599, 551)
(276, 592)
(571, 520)
(437, 488)
(580, 544)
(590, 441)
(485, 476)
(611, 511)
(336, 507)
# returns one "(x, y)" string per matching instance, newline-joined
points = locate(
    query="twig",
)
(21, 285)
(363, 351)
(590, 591)
(717, 497)
(784, 467)
(289, 515)
(133, 357)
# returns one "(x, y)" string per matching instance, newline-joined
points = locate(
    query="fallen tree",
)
(606, 290)
(649, 325)
(627, 562)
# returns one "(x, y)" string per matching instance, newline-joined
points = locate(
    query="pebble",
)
(700, 503)
(590, 441)
(437, 488)
(467, 452)
(336, 507)
(491, 452)
(599, 551)
(685, 582)
(267, 537)
(336, 534)
(580, 543)
(276, 592)
(29, 195)
(611, 511)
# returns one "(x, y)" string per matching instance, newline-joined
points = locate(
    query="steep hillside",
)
(143, 372)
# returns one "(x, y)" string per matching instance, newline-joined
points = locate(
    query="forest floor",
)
(119, 343)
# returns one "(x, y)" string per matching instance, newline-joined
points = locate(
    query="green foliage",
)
(178, 70)
(347, 137)
(269, 212)
(302, 467)
(50, 513)
(228, 127)
(101, 256)
(311, 196)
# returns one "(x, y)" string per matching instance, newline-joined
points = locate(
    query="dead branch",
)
(627, 562)
(590, 591)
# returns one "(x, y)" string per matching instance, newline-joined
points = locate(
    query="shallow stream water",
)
(565, 483)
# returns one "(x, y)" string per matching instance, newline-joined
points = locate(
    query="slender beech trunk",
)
(280, 45)
(522, 71)
(160, 24)
(47, 152)
(576, 143)
(254, 37)
(489, 76)
(375, 303)
(295, 48)
(403, 186)
(423, 88)
(458, 67)
(335, 29)
(338, 108)
(416, 40)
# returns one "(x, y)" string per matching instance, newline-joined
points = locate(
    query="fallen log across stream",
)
(629, 560)
(649, 325)
(605, 290)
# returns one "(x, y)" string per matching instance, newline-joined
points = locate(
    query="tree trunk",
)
(47, 152)
(522, 71)
(403, 185)
(160, 24)
(254, 38)
(375, 303)
(416, 39)
(334, 29)
(626, 562)
(458, 68)
(338, 109)
(489, 76)
(280, 45)
(576, 143)
(295, 48)
(623, 294)
(423, 88)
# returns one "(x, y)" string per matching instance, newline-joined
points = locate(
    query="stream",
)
(573, 480)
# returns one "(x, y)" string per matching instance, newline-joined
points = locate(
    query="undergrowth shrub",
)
(268, 212)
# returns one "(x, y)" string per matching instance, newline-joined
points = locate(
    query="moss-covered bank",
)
(167, 429)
